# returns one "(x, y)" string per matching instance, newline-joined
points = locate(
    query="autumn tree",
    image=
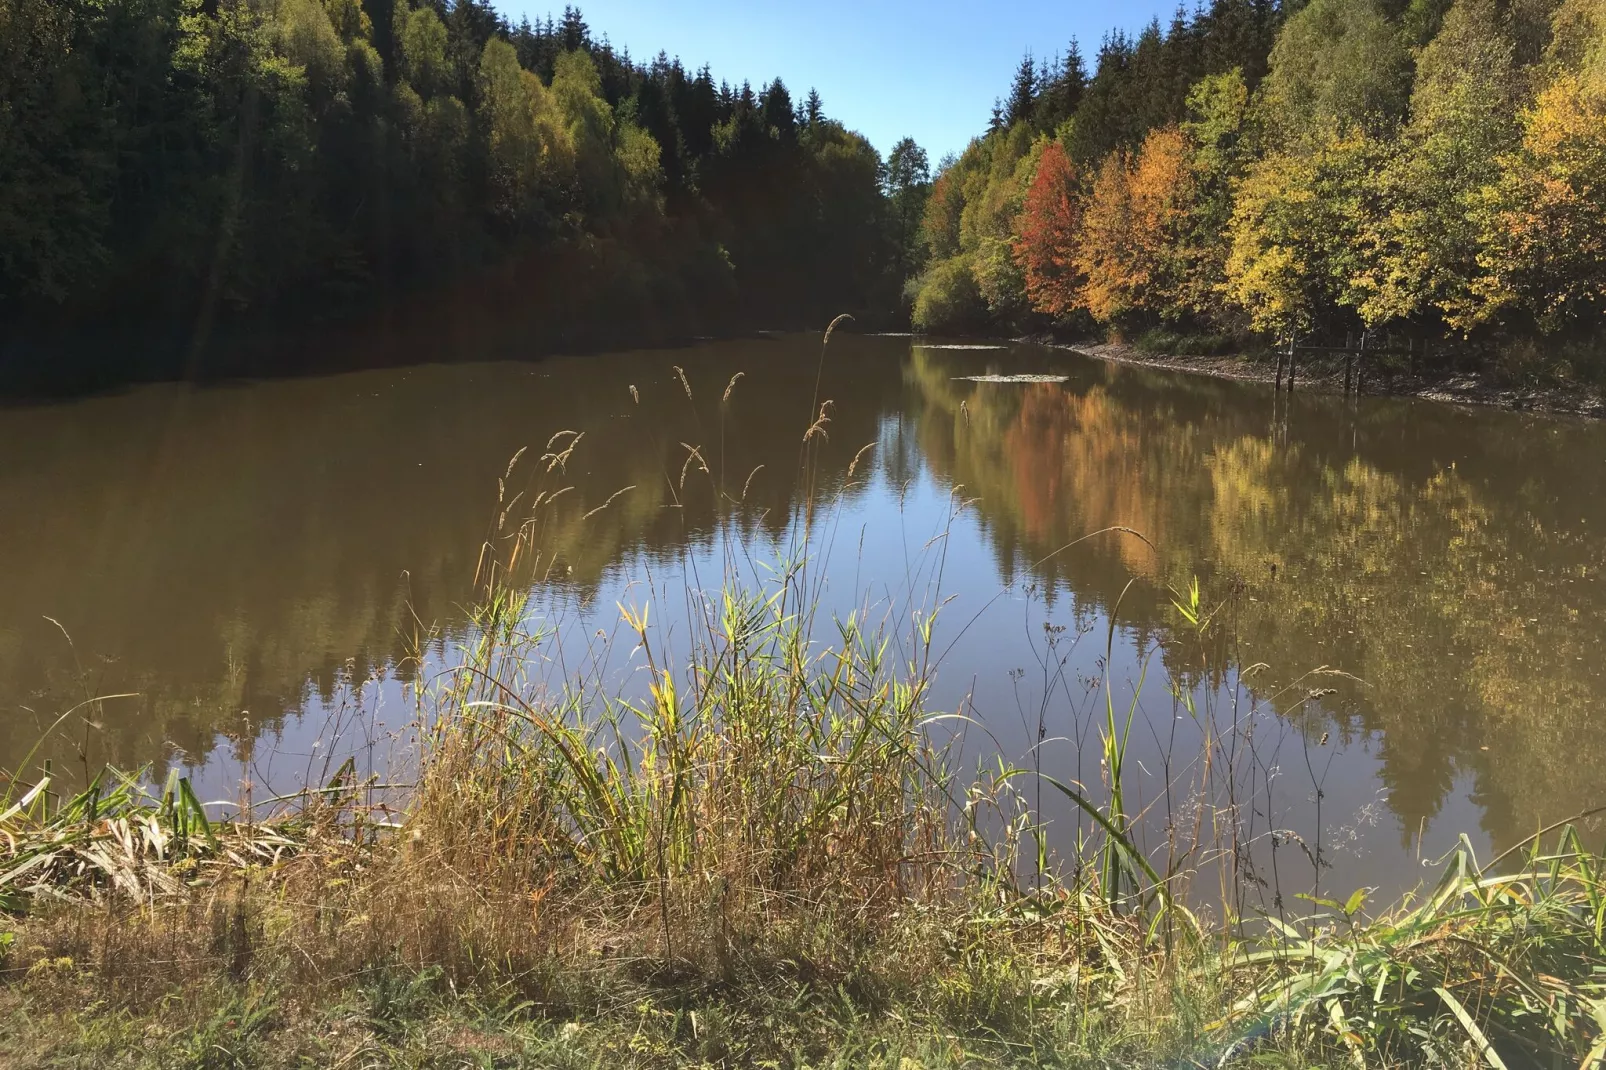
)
(1423, 249)
(1132, 249)
(990, 225)
(1050, 235)
(1543, 221)
(1295, 232)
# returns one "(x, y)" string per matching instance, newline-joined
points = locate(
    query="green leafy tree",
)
(54, 170)
(422, 36)
(949, 300)
(1295, 232)
(1336, 65)
(908, 183)
(1424, 246)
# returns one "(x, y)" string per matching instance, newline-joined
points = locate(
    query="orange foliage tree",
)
(1132, 250)
(939, 225)
(1050, 231)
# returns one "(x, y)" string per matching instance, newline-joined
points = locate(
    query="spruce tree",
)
(1062, 95)
(776, 111)
(1023, 93)
(813, 109)
(575, 33)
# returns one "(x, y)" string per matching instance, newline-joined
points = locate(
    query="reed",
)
(765, 767)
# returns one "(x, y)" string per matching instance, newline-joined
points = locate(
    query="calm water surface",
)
(254, 561)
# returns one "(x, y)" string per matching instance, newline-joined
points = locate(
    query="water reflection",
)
(1447, 559)
(239, 555)
(252, 549)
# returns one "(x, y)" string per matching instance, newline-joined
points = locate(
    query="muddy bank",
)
(1327, 375)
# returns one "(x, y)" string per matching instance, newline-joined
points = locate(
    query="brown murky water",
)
(250, 560)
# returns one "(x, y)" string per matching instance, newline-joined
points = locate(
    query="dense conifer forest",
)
(194, 166)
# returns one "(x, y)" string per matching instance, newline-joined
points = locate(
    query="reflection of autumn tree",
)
(1457, 594)
(1051, 465)
(1426, 592)
(1032, 447)
(1351, 594)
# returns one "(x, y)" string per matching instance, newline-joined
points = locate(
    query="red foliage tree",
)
(1050, 228)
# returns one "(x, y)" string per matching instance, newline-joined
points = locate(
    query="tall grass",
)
(764, 768)
(779, 764)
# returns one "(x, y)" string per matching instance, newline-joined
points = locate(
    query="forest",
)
(191, 166)
(186, 170)
(1430, 168)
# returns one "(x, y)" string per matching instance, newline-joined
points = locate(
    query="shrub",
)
(950, 301)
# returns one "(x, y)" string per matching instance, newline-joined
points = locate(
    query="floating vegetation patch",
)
(1022, 378)
(960, 345)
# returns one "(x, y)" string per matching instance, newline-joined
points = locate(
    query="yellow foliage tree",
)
(1296, 229)
(1423, 247)
(1544, 221)
(522, 133)
(1218, 105)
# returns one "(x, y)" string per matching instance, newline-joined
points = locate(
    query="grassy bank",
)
(761, 853)
(765, 861)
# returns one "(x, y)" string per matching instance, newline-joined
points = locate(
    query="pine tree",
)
(1023, 93)
(574, 32)
(1105, 113)
(813, 109)
(776, 111)
(1060, 94)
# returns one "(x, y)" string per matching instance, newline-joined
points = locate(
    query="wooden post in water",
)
(1360, 364)
(1293, 361)
(1279, 386)
(1349, 360)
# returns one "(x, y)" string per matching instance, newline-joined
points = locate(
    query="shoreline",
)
(1326, 377)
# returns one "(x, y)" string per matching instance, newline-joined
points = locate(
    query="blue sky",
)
(887, 68)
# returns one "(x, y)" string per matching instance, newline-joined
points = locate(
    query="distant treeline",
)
(196, 165)
(1435, 168)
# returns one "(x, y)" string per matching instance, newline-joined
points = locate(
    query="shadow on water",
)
(522, 311)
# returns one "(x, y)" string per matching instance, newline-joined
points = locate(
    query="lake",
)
(1409, 611)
